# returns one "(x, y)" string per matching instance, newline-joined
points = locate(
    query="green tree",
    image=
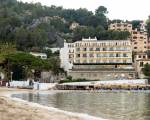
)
(55, 64)
(136, 24)
(101, 10)
(146, 70)
(26, 62)
(148, 26)
(100, 33)
(5, 49)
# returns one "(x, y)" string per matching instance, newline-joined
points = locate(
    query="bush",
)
(69, 77)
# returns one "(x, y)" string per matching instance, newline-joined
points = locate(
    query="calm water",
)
(109, 105)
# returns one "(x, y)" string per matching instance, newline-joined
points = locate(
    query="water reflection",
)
(110, 105)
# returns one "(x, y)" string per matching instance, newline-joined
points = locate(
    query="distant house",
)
(139, 41)
(74, 25)
(139, 38)
(121, 27)
(40, 55)
(140, 65)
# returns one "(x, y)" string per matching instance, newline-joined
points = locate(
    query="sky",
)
(118, 9)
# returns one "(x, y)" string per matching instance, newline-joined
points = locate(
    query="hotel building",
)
(102, 51)
(83, 58)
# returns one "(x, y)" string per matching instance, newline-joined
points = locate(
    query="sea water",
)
(112, 105)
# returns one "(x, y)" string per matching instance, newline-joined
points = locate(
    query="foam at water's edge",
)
(80, 115)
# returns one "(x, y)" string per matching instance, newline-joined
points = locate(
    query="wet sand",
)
(11, 109)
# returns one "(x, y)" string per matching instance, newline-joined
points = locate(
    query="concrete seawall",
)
(36, 85)
(137, 84)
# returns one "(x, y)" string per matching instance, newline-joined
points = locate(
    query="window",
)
(135, 42)
(118, 49)
(111, 49)
(84, 55)
(135, 47)
(134, 37)
(91, 55)
(134, 32)
(104, 49)
(131, 75)
(125, 49)
(117, 55)
(98, 55)
(70, 56)
(91, 49)
(77, 49)
(141, 64)
(139, 56)
(111, 55)
(141, 37)
(97, 49)
(43, 57)
(124, 55)
(78, 55)
(84, 49)
(104, 55)
(144, 56)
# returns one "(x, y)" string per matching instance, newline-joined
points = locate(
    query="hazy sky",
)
(121, 9)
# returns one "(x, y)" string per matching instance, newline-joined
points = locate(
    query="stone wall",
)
(101, 66)
(102, 75)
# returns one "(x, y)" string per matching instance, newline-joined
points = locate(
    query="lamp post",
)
(33, 71)
(11, 75)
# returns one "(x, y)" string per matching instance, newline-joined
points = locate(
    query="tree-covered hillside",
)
(33, 26)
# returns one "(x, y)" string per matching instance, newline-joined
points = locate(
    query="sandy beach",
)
(11, 109)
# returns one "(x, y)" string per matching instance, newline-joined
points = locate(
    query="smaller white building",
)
(40, 55)
(53, 49)
(2, 76)
(143, 26)
(67, 56)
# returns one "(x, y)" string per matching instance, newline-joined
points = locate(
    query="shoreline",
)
(11, 106)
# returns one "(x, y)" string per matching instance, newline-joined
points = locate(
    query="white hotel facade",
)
(93, 51)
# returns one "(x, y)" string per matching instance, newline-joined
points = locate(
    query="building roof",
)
(96, 40)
